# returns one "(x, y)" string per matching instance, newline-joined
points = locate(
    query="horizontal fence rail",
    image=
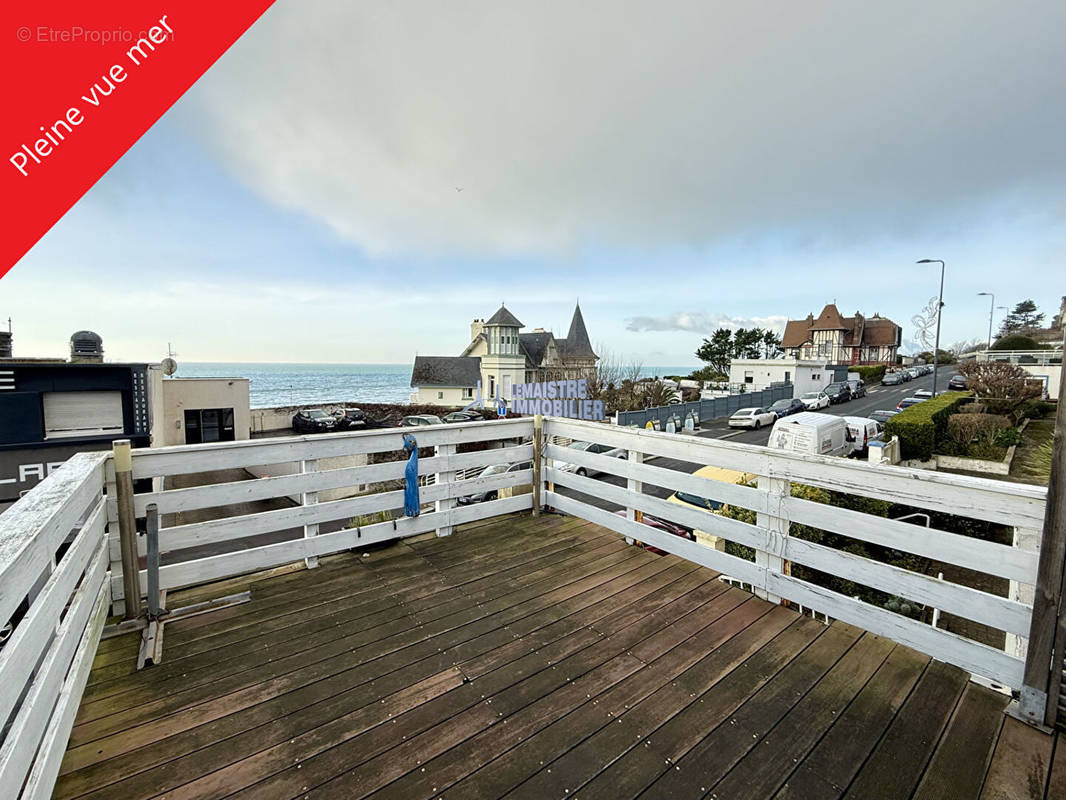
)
(772, 473)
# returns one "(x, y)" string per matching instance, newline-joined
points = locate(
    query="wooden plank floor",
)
(534, 658)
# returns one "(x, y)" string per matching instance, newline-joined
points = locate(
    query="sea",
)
(304, 384)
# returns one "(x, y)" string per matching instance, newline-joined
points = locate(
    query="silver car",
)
(592, 447)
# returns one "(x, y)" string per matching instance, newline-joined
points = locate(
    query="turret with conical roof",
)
(576, 345)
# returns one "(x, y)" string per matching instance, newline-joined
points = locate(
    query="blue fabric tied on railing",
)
(411, 505)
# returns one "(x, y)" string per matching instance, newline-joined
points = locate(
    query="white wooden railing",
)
(440, 511)
(58, 595)
(53, 563)
(776, 509)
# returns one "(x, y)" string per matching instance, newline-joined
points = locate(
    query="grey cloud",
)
(698, 322)
(639, 124)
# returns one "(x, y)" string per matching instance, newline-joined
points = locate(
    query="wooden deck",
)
(538, 658)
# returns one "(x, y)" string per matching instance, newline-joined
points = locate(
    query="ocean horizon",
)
(290, 384)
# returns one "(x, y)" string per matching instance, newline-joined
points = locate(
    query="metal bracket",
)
(1030, 708)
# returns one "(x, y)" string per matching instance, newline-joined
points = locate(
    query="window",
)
(209, 425)
(815, 376)
(749, 376)
(70, 414)
(788, 377)
(440, 395)
(468, 394)
(492, 385)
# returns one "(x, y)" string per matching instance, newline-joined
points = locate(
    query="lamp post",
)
(991, 311)
(939, 312)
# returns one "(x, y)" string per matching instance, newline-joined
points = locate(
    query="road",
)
(877, 397)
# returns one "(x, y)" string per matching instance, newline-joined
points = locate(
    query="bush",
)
(1016, 341)
(871, 373)
(1007, 437)
(1036, 409)
(922, 426)
(974, 434)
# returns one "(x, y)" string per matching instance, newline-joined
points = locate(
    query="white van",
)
(863, 430)
(810, 432)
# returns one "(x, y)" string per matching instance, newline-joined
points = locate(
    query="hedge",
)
(921, 426)
(870, 373)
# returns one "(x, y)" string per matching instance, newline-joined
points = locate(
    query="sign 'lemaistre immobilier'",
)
(556, 399)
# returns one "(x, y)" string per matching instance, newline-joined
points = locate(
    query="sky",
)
(355, 182)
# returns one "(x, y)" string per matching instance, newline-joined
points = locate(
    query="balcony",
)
(521, 646)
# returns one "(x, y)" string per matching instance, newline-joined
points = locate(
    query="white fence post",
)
(1027, 539)
(309, 499)
(444, 479)
(777, 526)
(636, 487)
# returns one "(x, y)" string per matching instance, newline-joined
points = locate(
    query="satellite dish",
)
(169, 365)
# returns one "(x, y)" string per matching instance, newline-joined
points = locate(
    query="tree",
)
(943, 357)
(1000, 385)
(656, 393)
(771, 344)
(1024, 318)
(718, 350)
(962, 348)
(1016, 341)
(747, 343)
(612, 381)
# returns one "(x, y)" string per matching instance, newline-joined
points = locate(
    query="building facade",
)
(51, 409)
(756, 374)
(842, 340)
(500, 355)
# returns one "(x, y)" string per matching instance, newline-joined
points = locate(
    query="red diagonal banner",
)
(84, 81)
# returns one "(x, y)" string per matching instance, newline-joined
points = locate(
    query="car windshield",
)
(782, 404)
(431, 420)
(578, 445)
(495, 469)
(811, 395)
(702, 502)
(744, 412)
(317, 414)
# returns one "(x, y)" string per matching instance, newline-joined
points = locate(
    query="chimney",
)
(476, 327)
(86, 347)
(5, 344)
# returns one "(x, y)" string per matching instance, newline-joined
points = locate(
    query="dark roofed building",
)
(842, 340)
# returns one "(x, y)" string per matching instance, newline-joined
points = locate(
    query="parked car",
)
(882, 416)
(662, 525)
(314, 420)
(812, 433)
(350, 419)
(814, 401)
(925, 394)
(416, 420)
(863, 430)
(838, 392)
(492, 494)
(907, 402)
(708, 504)
(857, 389)
(592, 447)
(958, 383)
(788, 405)
(752, 418)
(906, 375)
(462, 416)
(892, 379)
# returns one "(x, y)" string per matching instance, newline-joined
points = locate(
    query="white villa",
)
(500, 355)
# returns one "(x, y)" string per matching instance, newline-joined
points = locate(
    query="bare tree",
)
(614, 381)
(1001, 386)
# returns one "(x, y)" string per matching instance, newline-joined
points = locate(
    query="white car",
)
(592, 447)
(815, 400)
(752, 418)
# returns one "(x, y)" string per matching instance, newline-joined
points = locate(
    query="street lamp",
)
(939, 311)
(991, 311)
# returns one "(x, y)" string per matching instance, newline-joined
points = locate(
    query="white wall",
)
(806, 376)
(441, 396)
(180, 394)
